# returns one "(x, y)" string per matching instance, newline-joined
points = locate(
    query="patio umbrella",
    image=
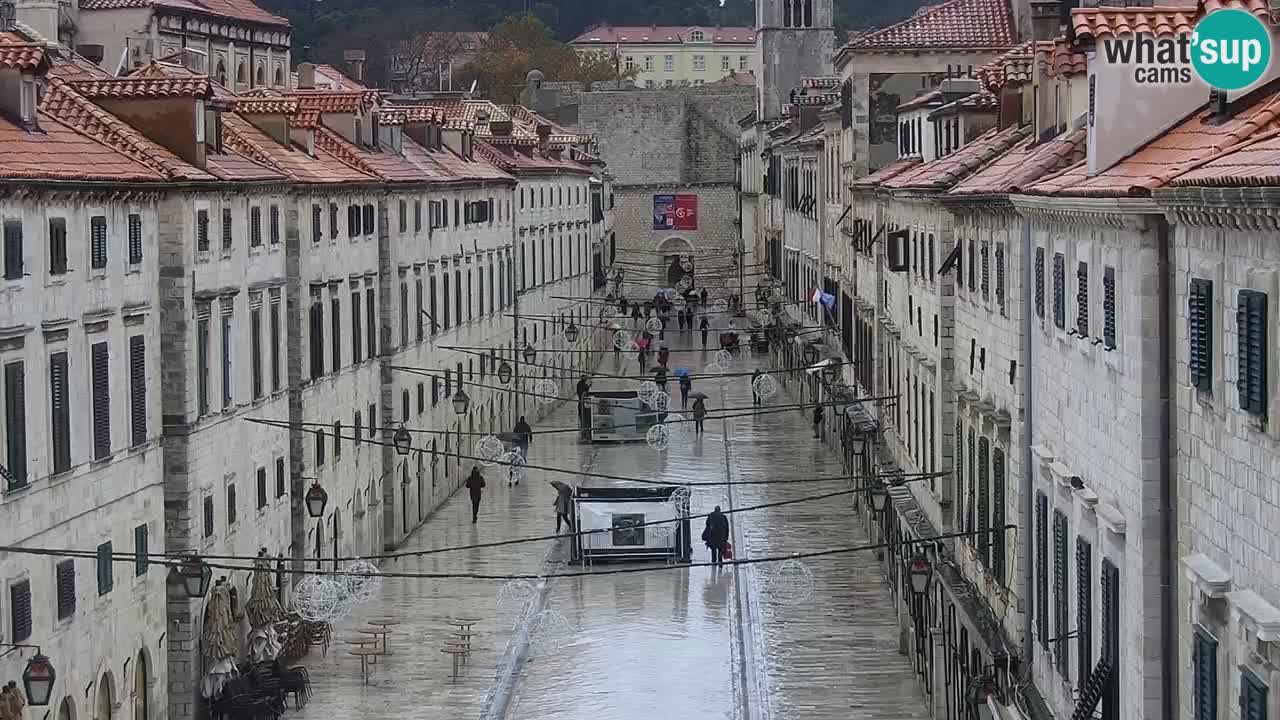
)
(264, 611)
(219, 640)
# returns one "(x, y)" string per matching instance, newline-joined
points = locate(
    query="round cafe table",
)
(386, 624)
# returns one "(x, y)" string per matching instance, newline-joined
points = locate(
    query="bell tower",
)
(794, 39)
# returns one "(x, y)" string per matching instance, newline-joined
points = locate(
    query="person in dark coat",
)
(817, 420)
(475, 483)
(685, 386)
(660, 377)
(664, 355)
(584, 387)
(523, 436)
(564, 507)
(716, 535)
(643, 356)
(704, 326)
(702, 296)
(699, 414)
(755, 396)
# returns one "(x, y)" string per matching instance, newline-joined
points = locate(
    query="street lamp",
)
(316, 498)
(921, 572)
(571, 333)
(879, 497)
(461, 401)
(504, 372)
(402, 441)
(195, 576)
(830, 370)
(38, 679)
(529, 353)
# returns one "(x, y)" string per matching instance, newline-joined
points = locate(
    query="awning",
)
(818, 366)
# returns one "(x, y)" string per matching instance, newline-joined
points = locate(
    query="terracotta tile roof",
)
(932, 97)
(955, 24)
(322, 167)
(1060, 58)
(893, 169)
(445, 166)
(1185, 147)
(1026, 163)
(160, 68)
(59, 152)
(337, 80)
(977, 102)
(663, 35)
(330, 101)
(231, 9)
(144, 87)
(231, 164)
(1097, 23)
(1015, 66)
(22, 55)
(266, 106)
(1254, 163)
(946, 171)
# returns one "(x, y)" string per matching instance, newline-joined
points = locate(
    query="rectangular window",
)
(985, 285)
(1111, 638)
(261, 482)
(202, 361)
(1060, 572)
(337, 440)
(60, 412)
(353, 221)
(275, 345)
(226, 228)
(445, 298)
(1109, 308)
(417, 215)
(404, 216)
(699, 63)
(742, 62)
(358, 422)
(371, 321)
(668, 63)
(232, 504)
(1000, 275)
(57, 246)
(202, 230)
(422, 398)
(208, 516)
(1084, 610)
(274, 228)
(1200, 333)
(106, 578)
(255, 351)
(101, 386)
(333, 221)
(983, 540)
(370, 227)
(1251, 337)
(404, 314)
(1082, 299)
(1039, 283)
(1042, 569)
(997, 515)
(15, 416)
(418, 319)
(281, 487)
(20, 610)
(1253, 697)
(319, 434)
(13, 250)
(141, 544)
(255, 227)
(373, 419)
(317, 337)
(357, 321)
(135, 239)
(316, 220)
(66, 587)
(431, 302)
(137, 390)
(1059, 290)
(335, 331)
(227, 383)
(97, 242)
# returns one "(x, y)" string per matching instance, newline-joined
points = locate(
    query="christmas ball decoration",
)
(488, 449)
(647, 390)
(653, 325)
(720, 306)
(658, 437)
(790, 583)
(621, 339)
(659, 401)
(319, 598)
(724, 358)
(363, 582)
(765, 386)
(547, 391)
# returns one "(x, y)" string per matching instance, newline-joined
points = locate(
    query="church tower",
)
(794, 39)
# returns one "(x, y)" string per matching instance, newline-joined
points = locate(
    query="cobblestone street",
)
(686, 641)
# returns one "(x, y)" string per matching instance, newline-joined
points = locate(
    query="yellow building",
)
(668, 56)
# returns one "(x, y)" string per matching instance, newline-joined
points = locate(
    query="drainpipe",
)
(1168, 475)
(1026, 483)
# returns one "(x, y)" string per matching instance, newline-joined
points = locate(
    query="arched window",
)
(242, 74)
(786, 13)
(221, 74)
(141, 679)
(808, 13)
(260, 77)
(279, 78)
(67, 710)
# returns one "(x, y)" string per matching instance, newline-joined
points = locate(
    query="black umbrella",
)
(698, 395)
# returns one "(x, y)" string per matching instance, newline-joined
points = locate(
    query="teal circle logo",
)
(1230, 49)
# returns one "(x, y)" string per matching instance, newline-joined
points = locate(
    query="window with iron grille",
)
(13, 249)
(101, 389)
(97, 242)
(208, 516)
(135, 239)
(273, 229)
(1084, 610)
(1000, 275)
(261, 483)
(1042, 569)
(997, 515)
(1059, 290)
(1253, 696)
(1251, 338)
(66, 588)
(20, 610)
(1109, 307)
(232, 504)
(1082, 299)
(202, 230)
(984, 501)
(57, 246)
(1204, 680)
(1060, 573)
(1200, 333)
(141, 544)
(1110, 596)
(255, 227)
(316, 220)
(106, 576)
(137, 390)
(281, 482)
(226, 228)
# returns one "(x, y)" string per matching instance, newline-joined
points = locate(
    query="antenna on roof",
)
(472, 91)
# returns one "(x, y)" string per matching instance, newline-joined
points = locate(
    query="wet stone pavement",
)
(686, 642)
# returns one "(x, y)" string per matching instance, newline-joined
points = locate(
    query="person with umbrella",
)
(704, 326)
(699, 414)
(685, 386)
(475, 483)
(563, 504)
(664, 354)
(523, 436)
(716, 535)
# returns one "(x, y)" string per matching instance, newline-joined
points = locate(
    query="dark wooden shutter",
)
(404, 216)
(1082, 299)
(202, 362)
(357, 335)
(232, 504)
(135, 239)
(1084, 609)
(281, 485)
(985, 284)
(106, 578)
(404, 314)
(316, 228)
(1060, 582)
(275, 345)
(418, 317)
(1039, 283)
(1042, 569)
(431, 302)
(971, 506)
(101, 381)
(353, 220)
(1109, 308)
(226, 228)
(202, 230)
(335, 332)
(15, 412)
(60, 413)
(333, 220)
(371, 321)
(370, 225)
(98, 242)
(274, 229)
(337, 440)
(66, 589)
(137, 389)
(20, 610)
(1059, 290)
(997, 515)
(1253, 697)
(1251, 326)
(417, 215)
(984, 501)
(961, 480)
(141, 543)
(57, 246)
(319, 447)
(1000, 274)
(317, 339)
(422, 394)
(373, 419)
(255, 226)
(13, 250)
(1111, 638)
(208, 516)
(261, 487)
(1200, 333)
(255, 351)
(1204, 668)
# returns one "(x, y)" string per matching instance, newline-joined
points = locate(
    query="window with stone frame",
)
(1039, 283)
(1108, 308)
(1059, 290)
(1000, 288)
(1061, 572)
(1251, 351)
(1082, 299)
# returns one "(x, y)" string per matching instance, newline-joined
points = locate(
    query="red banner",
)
(685, 212)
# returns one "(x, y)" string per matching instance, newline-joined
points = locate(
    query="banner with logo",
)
(675, 212)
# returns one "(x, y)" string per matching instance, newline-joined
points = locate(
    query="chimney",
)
(355, 63)
(92, 53)
(544, 135)
(306, 76)
(959, 87)
(1044, 18)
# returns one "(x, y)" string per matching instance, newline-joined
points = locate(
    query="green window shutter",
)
(1251, 326)
(1200, 333)
(1204, 665)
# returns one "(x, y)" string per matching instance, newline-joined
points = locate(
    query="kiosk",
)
(623, 512)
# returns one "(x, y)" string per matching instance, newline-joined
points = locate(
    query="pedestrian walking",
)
(635, 315)
(584, 387)
(702, 296)
(660, 377)
(475, 483)
(643, 356)
(817, 420)
(755, 396)
(523, 436)
(564, 506)
(664, 355)
(716, 535)
(699, 415)
(704, 326)
(685, 386)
